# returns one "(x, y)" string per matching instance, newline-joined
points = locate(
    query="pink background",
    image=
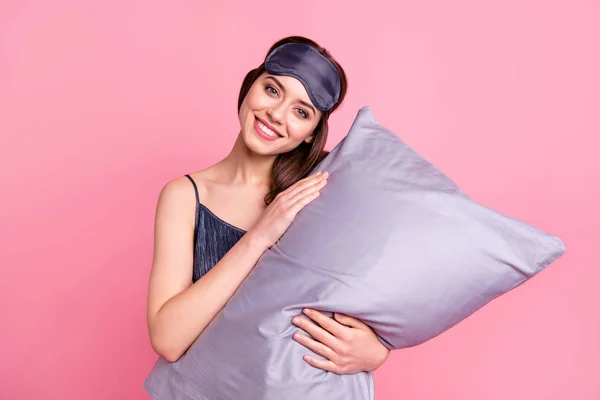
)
(103, 102)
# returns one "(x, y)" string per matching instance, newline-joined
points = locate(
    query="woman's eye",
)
(302, 113)
(271, 90)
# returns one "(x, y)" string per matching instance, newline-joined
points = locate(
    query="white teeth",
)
(266, 130)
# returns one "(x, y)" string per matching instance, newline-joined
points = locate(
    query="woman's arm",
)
(179, 311)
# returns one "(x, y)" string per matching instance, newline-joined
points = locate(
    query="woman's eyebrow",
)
(283, 89)
(308, 105)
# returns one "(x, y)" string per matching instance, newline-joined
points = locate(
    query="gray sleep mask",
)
(303, 62)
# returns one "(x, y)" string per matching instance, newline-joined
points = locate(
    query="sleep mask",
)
(303, 62)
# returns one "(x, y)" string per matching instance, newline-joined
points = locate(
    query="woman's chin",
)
(258, 147)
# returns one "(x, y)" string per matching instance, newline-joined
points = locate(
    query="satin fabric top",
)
(213, 238)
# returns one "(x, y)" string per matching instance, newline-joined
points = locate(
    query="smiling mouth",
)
(267, 130)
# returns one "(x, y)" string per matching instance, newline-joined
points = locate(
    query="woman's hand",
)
(280, 213)
(348, 344)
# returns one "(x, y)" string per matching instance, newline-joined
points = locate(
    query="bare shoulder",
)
(177, 198)
(181, 190)
(176, 192)
(204, 180)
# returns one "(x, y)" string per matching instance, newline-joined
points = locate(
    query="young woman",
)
(244, 204)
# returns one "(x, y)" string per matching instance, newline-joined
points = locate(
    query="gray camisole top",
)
(213, 237)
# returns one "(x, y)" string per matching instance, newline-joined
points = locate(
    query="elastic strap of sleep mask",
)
(303, 62)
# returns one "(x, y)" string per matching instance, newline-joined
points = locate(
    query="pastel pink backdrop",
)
(101, 103)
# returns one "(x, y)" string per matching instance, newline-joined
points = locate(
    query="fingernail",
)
(307, 311)
(296, 320)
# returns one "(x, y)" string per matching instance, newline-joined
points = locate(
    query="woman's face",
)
(277, 115)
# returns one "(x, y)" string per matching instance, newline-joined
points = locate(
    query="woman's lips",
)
(262, 134)
(268, 126)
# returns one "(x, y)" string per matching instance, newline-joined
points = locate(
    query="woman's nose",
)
(276, 113)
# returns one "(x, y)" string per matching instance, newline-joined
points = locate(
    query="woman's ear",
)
(309, 139)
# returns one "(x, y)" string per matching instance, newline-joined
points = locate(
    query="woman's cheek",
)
(297, 130)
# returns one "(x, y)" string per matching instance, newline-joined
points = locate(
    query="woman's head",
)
(287, 117)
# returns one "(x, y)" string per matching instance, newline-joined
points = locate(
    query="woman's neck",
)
(242, 166)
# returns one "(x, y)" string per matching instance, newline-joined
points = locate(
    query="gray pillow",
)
(391, 241)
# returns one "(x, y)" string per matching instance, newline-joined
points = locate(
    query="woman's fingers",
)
(301, 184)
(305, 184)
(278, 215)
(308, 195)
(308, 191)
(303, 202)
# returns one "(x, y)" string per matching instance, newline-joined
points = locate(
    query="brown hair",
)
(296, 164)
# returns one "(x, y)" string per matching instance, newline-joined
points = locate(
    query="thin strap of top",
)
(195, 188)
(197, 209)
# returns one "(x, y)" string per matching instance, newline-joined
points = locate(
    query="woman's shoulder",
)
(179, 191)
